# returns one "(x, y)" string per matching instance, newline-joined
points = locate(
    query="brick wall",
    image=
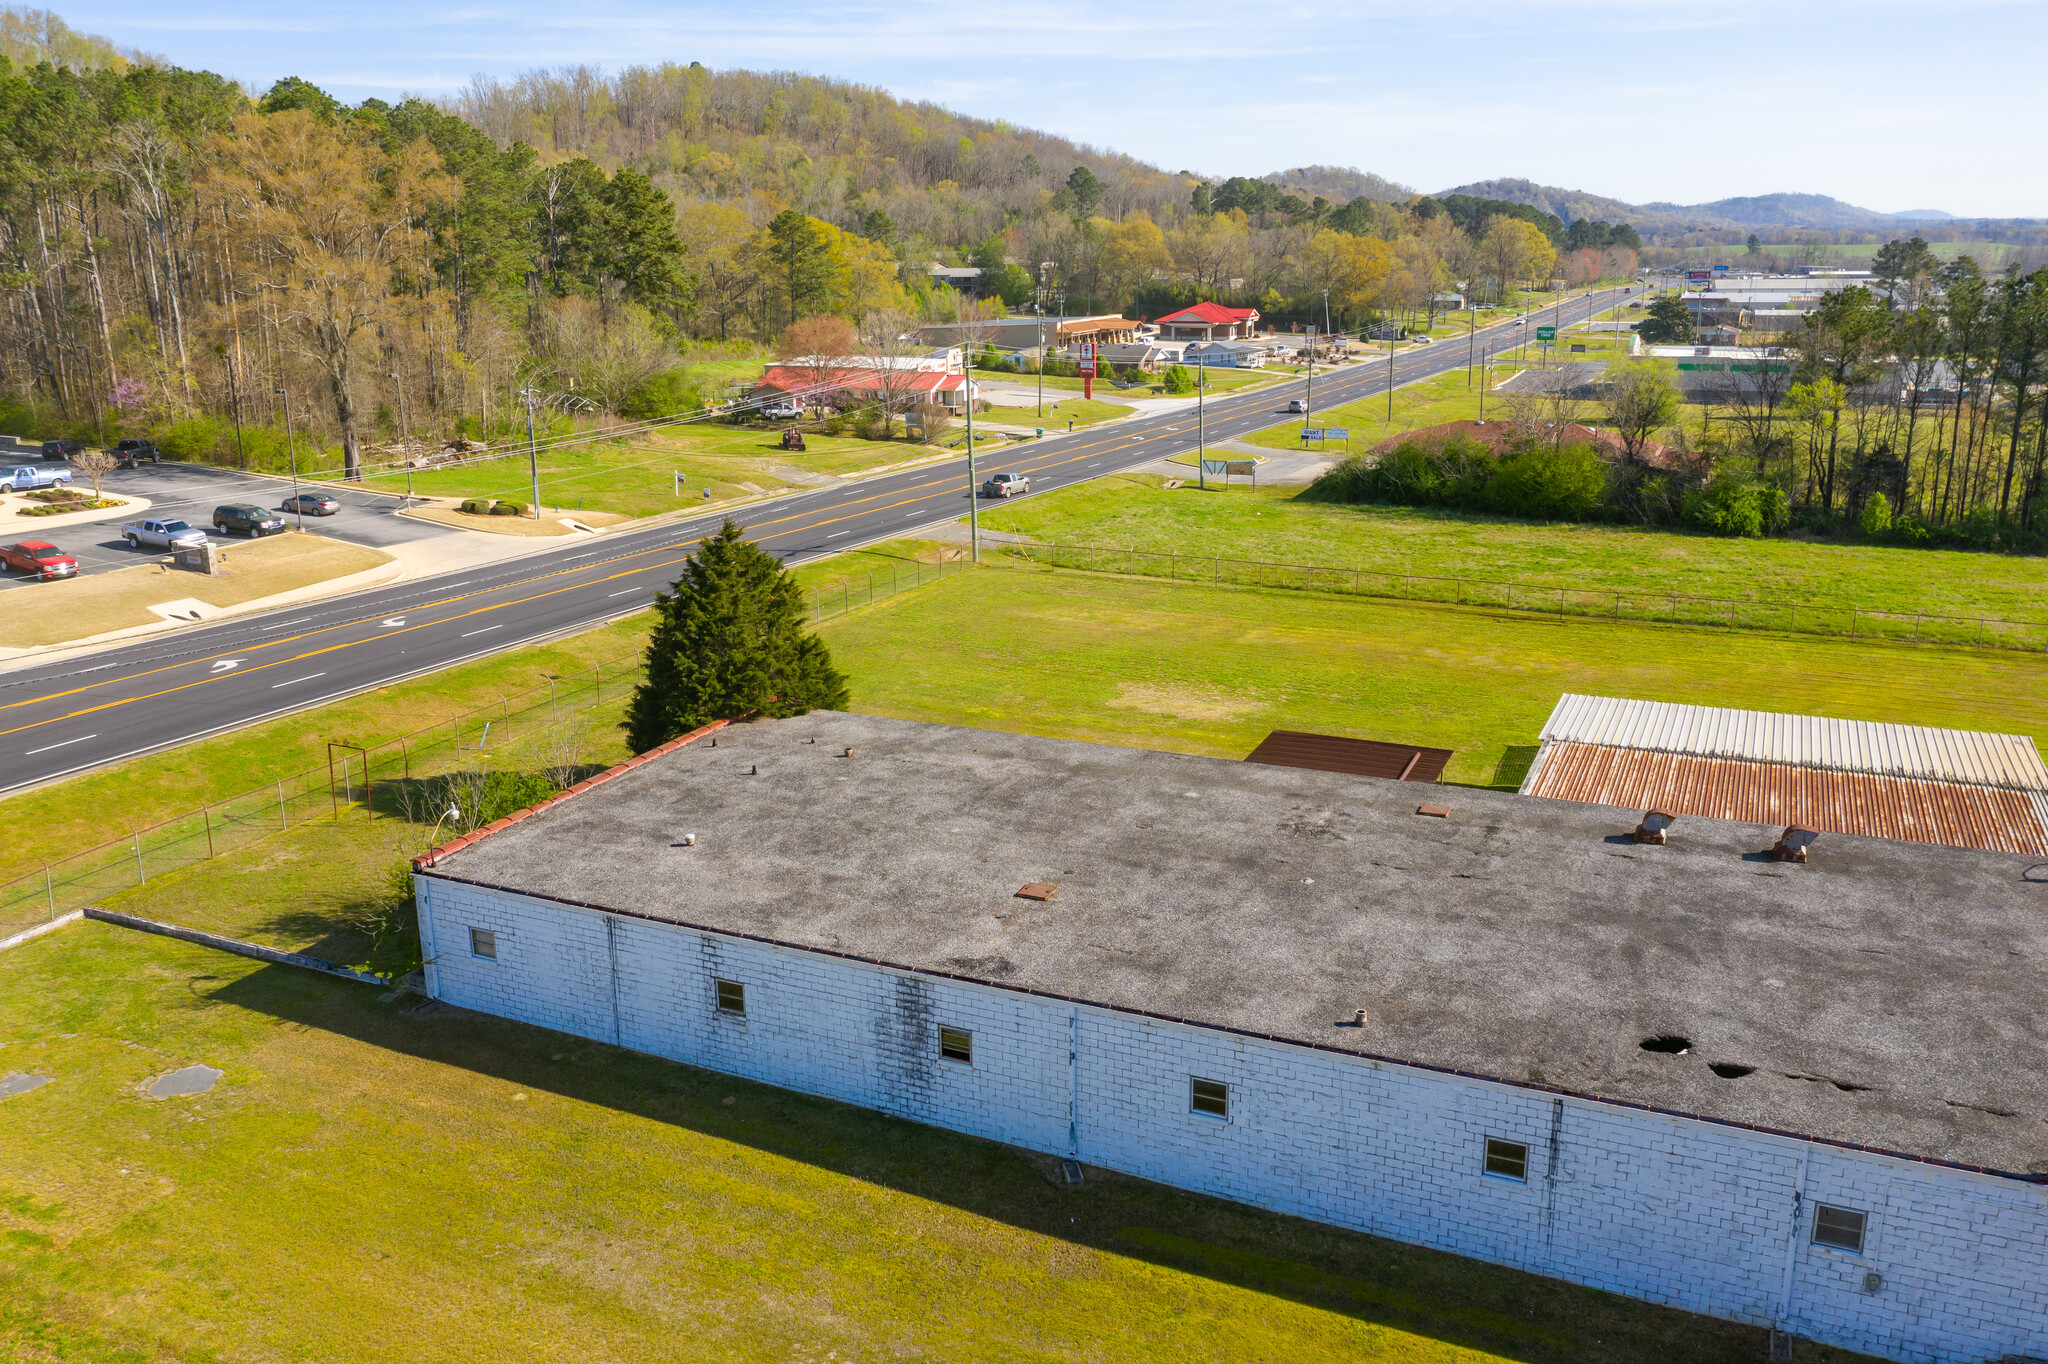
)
(1677, 1211)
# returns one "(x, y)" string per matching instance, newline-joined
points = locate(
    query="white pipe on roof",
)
(1956, 755)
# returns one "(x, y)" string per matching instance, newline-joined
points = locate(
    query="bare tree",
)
(886, 352)
(95, 465)
(1640, 402)
(563, 748)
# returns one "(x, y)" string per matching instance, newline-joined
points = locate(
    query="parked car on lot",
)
(312, 504)
(22, 477)
(40, 558)
(782, 412)
(248, 518)
(1005, 485)
(129, 453)
(151, 533)
(63, 449)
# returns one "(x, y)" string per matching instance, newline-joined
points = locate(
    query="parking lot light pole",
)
(291, 444)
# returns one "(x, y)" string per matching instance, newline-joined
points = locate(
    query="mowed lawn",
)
(1275, 525)
(1198, 669)
(368, 1184)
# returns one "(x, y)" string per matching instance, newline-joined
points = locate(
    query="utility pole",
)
(291, 444)
(404, 445)
(973, 487)
(1309, 404)
(1201, 439)
(529, 397)
(1043, 266)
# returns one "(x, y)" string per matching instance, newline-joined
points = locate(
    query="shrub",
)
(509, 509)
(1877, 515)
(477, 506)
(1733, 505)
(1568, 484)
(661, 395)
(1179, 379)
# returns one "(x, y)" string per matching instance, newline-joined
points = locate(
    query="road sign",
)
(1088, 359)
(1546, 333)
(1311, 433)
(1577, 349)
(1243, 468)
(1215, 466)
(1337, 433)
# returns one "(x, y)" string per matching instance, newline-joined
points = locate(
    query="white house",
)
(1807, 1095)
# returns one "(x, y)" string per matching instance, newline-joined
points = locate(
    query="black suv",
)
(63, 449)
(129, 453)
(251, 520)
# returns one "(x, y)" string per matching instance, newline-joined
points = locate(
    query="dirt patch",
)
(1185, 703)
(550, 522)
(94, 603)
(21, 1082)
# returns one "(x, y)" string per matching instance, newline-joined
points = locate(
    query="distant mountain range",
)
(1761, 210)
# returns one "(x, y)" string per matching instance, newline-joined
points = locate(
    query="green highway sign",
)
(1546, 333)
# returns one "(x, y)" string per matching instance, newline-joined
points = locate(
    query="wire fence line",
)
(1787, 615)
(849, 592)
(369, 781)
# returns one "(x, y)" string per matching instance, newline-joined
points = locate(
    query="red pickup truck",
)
(44, 560)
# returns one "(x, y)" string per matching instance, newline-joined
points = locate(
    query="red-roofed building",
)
(1209, 322)
(906, 388)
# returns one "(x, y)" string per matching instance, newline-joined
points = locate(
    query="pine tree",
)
(729, 640)
(1669, 323)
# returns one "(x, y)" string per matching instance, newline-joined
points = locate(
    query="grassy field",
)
(1213, 670)
(95, 603)
(636, 477)
(1273, 524)
(1220, 380)
(1059, 412)
(366, 1183)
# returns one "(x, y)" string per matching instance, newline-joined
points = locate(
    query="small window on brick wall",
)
(957, 1044)
(1841, 1228)
(483, 943)
(1210, 1098)
(732, 998)
(1507, 1159)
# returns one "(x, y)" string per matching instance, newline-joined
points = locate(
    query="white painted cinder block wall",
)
(1692, 1214)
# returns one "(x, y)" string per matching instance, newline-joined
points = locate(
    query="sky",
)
(1892, 105)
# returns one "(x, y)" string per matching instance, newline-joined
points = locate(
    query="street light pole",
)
(1310, 402)
(973, 487)
(1201, 437)
(528, 396)
(404, 445)
(291, 444)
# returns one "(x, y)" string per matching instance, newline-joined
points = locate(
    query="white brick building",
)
(1825, 1156)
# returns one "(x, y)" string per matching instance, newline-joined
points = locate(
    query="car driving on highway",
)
(312, 504)
(40, 558)
(1005, 485)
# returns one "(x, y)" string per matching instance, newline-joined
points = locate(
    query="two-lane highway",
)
(70, 715)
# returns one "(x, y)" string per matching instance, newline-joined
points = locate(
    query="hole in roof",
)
(1847, 1087)
(1666, 1044)
(1728, 1070)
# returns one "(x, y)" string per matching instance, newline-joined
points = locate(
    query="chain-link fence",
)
(847, 592)
(551, 727)
(1789, 613)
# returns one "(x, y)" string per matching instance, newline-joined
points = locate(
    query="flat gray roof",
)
(1887, 994)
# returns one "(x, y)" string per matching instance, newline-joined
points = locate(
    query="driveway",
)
(190, 492)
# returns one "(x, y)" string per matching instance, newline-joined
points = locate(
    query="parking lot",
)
(190, 492)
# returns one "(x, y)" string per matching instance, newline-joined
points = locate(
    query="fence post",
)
(1173, 564)
(140, 879)
(1852, 622)
(50, 889)
(206, 813)
(406, 754)
(597, 683)
(871, 587)
(282, 822)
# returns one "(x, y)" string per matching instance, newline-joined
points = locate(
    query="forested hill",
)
(1811, 211)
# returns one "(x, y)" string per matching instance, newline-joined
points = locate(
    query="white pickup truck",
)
(21, 478)
(151, 533)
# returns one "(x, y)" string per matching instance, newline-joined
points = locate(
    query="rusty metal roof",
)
(1942, 755)
(1359, 757)
(1958, 814)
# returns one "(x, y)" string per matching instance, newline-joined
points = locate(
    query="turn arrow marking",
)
(228, 664)
(393, 623)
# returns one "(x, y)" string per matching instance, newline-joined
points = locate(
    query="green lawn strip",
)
(1079, 411)
(49, 824)
(1273, 525)
(1442, 399)
(359, 1166)
(1197, 669)
(637, 477)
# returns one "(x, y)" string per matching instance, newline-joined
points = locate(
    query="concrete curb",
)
(254, 951)
(27, 935)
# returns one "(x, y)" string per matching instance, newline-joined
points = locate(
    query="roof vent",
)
(1793, 843)
(1036, 890)
(847, 754)
(689, 840)
(753, 769)
(1655, 822)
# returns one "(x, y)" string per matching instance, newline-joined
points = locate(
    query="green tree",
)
(1877, 515)
(729, 641)
(1668, 324)
(1755, 244)
(485, 239)
(294, 93)
(1640, 402)
(803, 255)
(638, 246)
(1086, 189)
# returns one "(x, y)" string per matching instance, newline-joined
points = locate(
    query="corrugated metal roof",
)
(1957, 814)
(1358, 757)
(1953, 755)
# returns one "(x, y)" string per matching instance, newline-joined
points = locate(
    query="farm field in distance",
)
(1277, 525)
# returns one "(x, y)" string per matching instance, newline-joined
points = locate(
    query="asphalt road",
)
(190, 492)
(71, 715)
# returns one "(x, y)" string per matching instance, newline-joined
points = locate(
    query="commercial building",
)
(1808, 1096)
(1209, 322)
(1227, 354)
(1951, 786)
